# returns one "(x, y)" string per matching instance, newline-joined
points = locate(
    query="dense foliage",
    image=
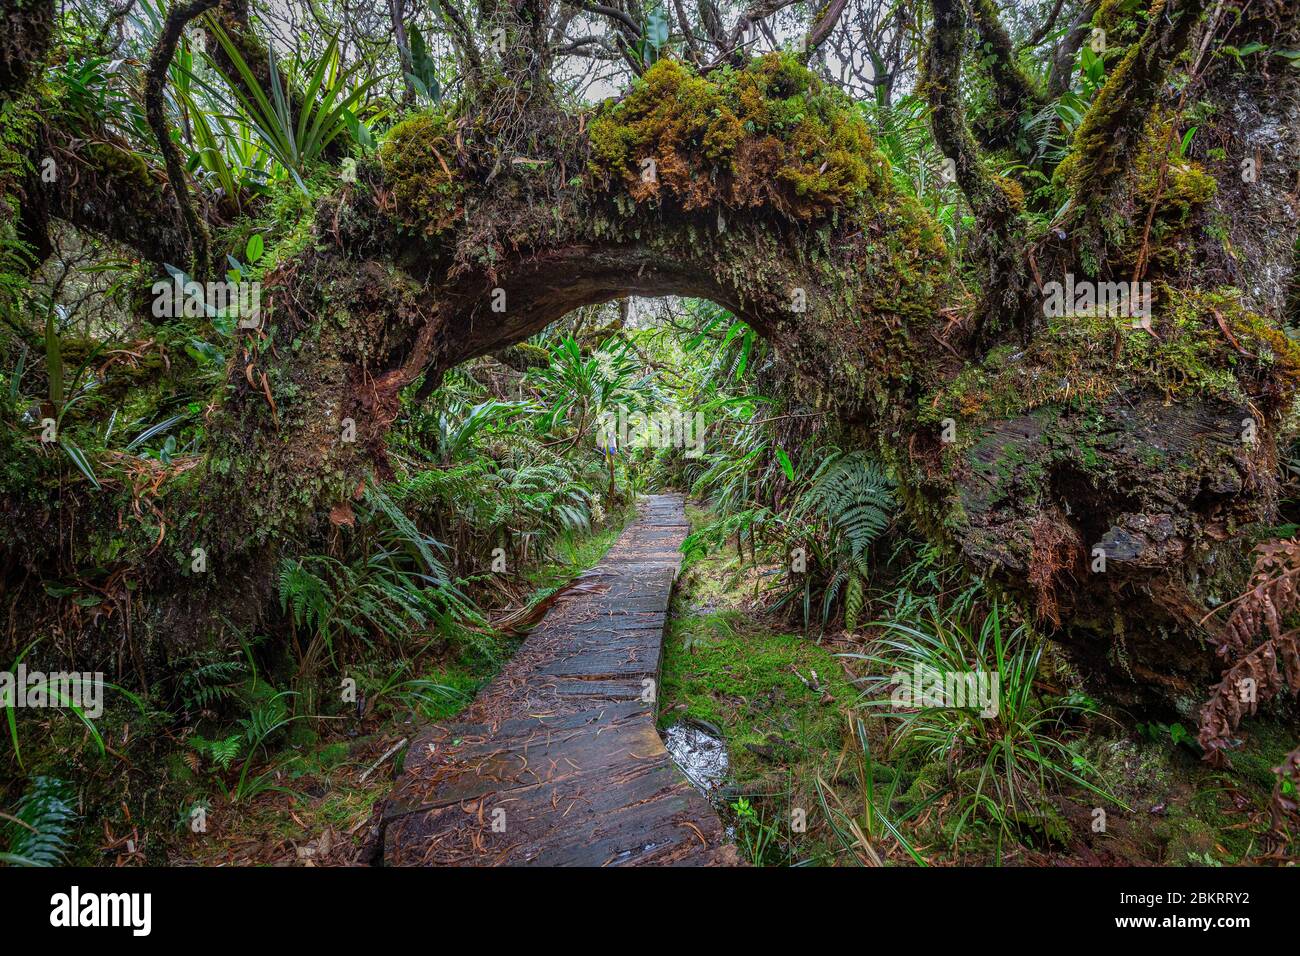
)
(125, 399)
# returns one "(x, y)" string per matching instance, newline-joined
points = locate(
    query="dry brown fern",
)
(1274, 593)
(1258, 671)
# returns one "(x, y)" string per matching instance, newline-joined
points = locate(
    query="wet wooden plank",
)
(557, 762)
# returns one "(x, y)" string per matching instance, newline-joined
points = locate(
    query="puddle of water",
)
(701, 754)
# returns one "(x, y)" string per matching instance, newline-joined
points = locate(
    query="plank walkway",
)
(557, 762)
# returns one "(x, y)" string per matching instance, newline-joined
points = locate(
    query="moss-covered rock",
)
(1201, 343)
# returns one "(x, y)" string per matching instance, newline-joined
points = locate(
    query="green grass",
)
(573, 553)
(750, 683)
(781, 733)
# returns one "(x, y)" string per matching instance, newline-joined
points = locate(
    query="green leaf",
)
(253, 251)
(81, 461)
(325, 108)
(424, 73)
(39, 830)
(10, 707)
(746, 347)
(786, 465)
(15, 380)
(54, 362)
(153, 430)
(656, 31)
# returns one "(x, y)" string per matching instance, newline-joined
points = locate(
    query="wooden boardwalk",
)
(557, 762)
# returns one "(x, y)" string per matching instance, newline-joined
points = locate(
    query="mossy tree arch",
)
(1027, 446)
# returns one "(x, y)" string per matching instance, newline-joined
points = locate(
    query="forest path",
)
(557, 761)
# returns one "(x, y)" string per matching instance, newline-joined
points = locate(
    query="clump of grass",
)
(1003, 767)
(861, 835)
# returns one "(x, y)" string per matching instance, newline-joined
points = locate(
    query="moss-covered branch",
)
(462, 37)
(1014, 94)
(26, 28)
(1058, 79)
(105, 188)
(941, 85)
(56, 169)
(1110, 135)
(822, 26)
(995, 202)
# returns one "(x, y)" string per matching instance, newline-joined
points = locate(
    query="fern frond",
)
(39, 833)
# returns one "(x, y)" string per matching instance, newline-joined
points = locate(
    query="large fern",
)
(37, 834)
(852, 493)
(852, 497)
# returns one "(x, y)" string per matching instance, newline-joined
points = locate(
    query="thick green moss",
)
(1171, 189)
(417, 161)
(768, 134)
(1206, 343)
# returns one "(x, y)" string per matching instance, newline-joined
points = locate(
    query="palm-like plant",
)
(328, 107)
(576, 390)
(227, 154)
(458, 430)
